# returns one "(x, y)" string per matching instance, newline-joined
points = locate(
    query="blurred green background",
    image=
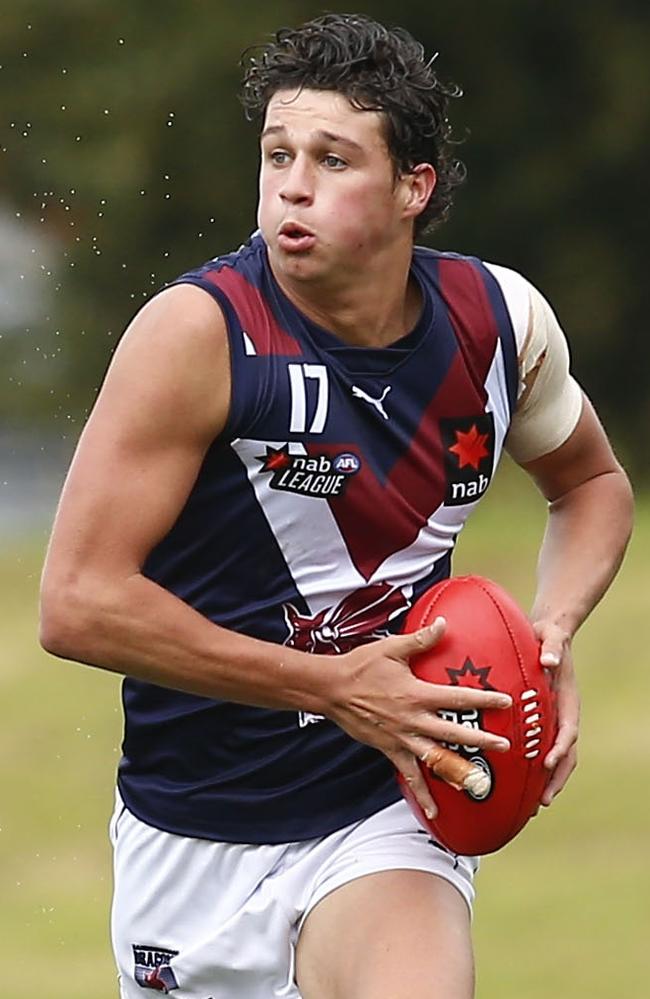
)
(124, 160)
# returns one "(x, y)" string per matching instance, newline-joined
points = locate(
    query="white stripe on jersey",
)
(297, 535)
(515, 290)
(249, 346)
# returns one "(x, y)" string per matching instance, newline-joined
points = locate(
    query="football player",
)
(286, 446)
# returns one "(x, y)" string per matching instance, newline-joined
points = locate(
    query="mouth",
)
(295, 238)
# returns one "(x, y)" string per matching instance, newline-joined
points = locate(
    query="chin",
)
(301, 272)
(297, 266)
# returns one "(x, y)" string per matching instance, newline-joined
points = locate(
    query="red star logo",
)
(275, 460)
(470, 447)
(468, 669)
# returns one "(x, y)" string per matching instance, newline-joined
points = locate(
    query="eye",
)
(279, 156)
(334, 162)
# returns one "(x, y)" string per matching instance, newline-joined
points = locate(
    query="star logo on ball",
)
(470, 447)
(468, 669)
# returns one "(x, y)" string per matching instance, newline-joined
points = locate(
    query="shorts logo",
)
(309, 476)
(151, 968)
(468, 445)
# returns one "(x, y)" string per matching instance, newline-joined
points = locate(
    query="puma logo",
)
(377, 403)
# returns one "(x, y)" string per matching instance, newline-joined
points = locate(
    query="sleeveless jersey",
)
(331, 500)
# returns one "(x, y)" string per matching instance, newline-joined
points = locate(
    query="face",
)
(329, 199)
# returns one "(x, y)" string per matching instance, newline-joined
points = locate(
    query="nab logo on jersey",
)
(308, 475)
(468, 445)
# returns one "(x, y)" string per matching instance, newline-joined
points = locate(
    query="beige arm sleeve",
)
(549, 399)
(550, 403)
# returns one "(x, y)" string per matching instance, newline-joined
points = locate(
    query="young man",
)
(287, 443)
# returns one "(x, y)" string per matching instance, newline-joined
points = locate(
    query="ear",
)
(419, 185)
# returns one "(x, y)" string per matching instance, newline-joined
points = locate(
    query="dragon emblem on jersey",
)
(362, 616)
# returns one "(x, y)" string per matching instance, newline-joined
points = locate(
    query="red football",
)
(488, 644)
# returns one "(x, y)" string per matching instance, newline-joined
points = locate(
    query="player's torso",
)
(361, 464)
(335, 495)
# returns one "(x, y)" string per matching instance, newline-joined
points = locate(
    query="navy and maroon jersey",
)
(332, 499)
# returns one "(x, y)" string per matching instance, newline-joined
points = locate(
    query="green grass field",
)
(562, 912)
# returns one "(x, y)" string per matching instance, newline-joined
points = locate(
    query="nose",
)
(297, 186)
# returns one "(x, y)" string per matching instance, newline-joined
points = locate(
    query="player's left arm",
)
(589, 525)
(558, 439)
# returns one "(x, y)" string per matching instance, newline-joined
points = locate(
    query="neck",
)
(370, 307)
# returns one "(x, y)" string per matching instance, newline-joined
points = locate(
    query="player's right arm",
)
(164, 400)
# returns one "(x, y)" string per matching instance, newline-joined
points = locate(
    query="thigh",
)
(394, 934)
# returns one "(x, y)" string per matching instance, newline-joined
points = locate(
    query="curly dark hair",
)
(377, 69)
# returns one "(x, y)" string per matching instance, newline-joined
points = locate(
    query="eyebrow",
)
(321, 134)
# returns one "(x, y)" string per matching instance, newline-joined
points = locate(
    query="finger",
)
(560, 777)
(409, 768)
(550, 656)
(553, 644)
(453, 734)
(440, 696)
(415, 642)
(567, 737)
(568, 709)
(458, 771)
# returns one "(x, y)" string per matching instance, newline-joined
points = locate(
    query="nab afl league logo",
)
(318, 475)
(468, 446)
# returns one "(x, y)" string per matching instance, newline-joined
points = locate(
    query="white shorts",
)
(208, 920)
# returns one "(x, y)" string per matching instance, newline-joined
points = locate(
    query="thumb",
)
(552, 644)
(415, 642)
